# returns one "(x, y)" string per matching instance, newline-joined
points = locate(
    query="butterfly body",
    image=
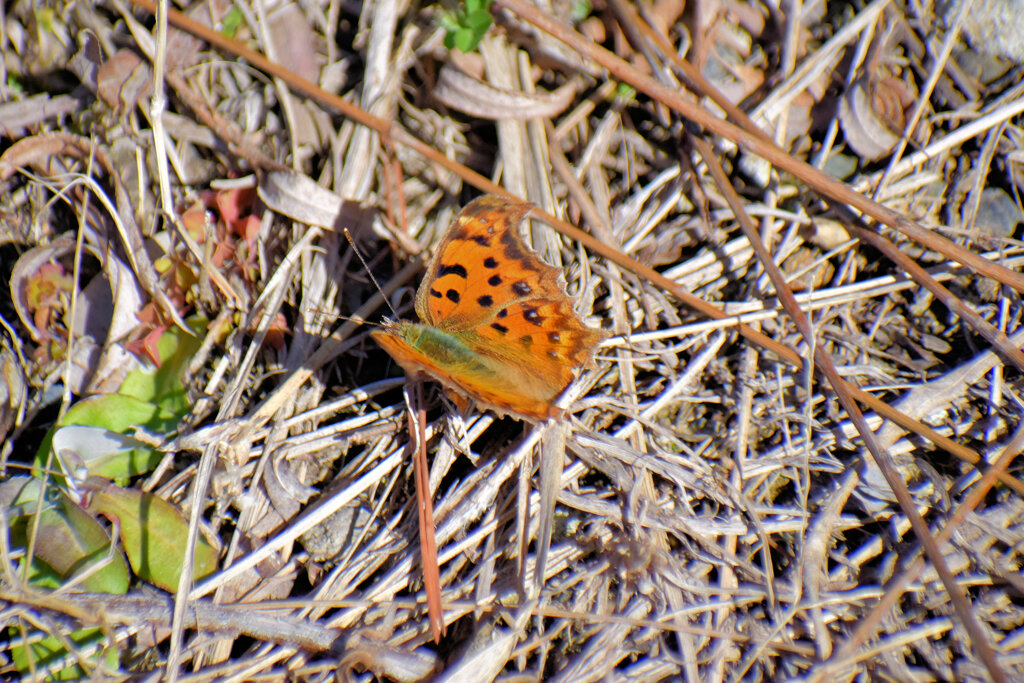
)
(497, 325)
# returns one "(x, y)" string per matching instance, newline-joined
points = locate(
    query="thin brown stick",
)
(425, 508)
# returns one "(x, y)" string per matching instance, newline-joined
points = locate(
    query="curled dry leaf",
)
(123, 80)
(472, 96)
(39, 287)
(873, 115)
(86, 62)
(825, 232)
(333, 536)
(286, 491)
(35, 150)
(365, 651)
(1015, 167)
(298, 197)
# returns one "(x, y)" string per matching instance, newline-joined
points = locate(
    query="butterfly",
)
(497, 325)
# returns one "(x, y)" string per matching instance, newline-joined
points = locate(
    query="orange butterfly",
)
(497, 325)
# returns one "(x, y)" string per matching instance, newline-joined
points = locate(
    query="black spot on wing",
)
(456, 269)
(532, 316)
(494, 280)
(434, 293)
(489, 262)
(500, 328)
(452, 295)
(502, 313)
(481, 240)
(486, 300)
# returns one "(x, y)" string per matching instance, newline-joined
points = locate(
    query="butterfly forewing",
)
(482, 266)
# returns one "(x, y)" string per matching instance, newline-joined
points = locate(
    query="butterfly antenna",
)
(369, 273)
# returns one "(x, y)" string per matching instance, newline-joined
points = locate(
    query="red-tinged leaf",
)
(149, 314)
(48, 285)
(45, 293)
(146, 346)
(247, 228)
(195, 220)
(234, 204)
(222, 254)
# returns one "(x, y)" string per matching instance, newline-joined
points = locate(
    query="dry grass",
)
(723, 514)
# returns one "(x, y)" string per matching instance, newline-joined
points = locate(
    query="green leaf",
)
(163, 386)
(465, 40)
(97, 452)
(231, 21)
(118, 415)
(68, 540)
(49, 650)
(479, 21)
(581, 9)
(624, 91)
(150, 398)
(153, 534)
(467, 27)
